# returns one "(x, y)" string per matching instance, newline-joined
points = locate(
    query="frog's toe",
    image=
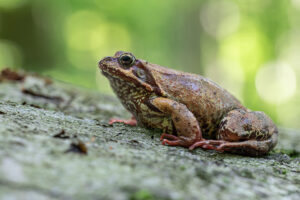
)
(201, 144)
(208, 144)
(229, 146)
(177, 142)
(168, 136)
(131, 122)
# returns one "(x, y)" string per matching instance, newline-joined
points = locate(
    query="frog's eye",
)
(126, 59)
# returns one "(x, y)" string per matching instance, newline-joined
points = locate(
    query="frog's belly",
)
(155, 121)
(209, 127)
(165, 124)
(208, 121)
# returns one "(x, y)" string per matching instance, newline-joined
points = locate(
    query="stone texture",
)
(45, 126)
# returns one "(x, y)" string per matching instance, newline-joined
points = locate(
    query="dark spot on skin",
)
(176, 119)
(215, 93)
(174, 131)
(247, 127)
(223, 123)
(204, 127)
(259, 137)
(265, 129)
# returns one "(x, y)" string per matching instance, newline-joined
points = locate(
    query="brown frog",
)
(191, 110)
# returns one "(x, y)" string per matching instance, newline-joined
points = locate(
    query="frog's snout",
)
(104, 61)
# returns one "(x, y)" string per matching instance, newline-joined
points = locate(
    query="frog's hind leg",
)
(248, 147)
(208, 144)
(243, 132)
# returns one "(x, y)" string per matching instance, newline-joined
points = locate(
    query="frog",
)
(191, 110)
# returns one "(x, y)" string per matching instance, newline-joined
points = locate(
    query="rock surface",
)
(56, 144)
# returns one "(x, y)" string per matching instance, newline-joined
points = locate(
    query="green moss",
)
(142, 195)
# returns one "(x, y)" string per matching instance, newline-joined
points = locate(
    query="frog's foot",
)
(178, 142)
(209, 144)
(173, 140)
(131, 122)
(168, 136)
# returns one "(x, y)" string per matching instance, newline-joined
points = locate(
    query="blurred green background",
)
(249, 47)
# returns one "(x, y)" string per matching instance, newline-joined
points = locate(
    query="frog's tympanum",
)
(192, 111)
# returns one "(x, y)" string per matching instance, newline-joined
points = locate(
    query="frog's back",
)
(204, 98)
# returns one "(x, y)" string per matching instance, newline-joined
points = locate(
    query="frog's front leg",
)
(131, 122)
(185, 123)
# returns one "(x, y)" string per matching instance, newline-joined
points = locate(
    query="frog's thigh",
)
(251, 133)
(185, 122)
(240, 125)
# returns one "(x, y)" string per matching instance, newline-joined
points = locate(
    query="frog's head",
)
(126, 73)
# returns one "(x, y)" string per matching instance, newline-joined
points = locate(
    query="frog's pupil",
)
(126, 60)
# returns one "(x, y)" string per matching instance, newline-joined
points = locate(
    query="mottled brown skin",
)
(191, 110)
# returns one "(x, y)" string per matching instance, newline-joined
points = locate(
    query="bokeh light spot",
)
(80, 26)
(247, 47)
(220, 18)
(89, 37)
(228, 75)
(276, 82)
(296, 3)
(289, 48)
